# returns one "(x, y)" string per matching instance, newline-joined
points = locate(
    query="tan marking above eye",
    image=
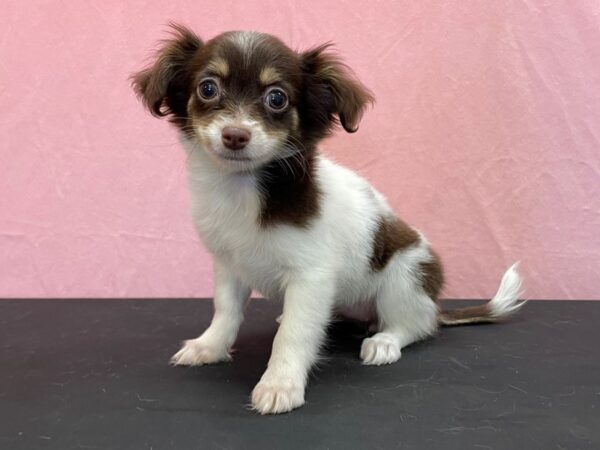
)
(219, 67)
(269, 75)
(295, 119)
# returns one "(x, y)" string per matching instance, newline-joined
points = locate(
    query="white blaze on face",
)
(262, 148)
(246, 41)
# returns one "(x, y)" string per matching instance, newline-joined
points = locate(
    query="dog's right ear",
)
(164, 86)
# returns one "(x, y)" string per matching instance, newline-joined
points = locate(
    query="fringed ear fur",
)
(333, 88)
(163, 87)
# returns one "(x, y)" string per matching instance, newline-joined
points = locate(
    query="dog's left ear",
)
(332, 89)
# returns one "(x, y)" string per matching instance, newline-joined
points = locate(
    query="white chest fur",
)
(226, 210)
(336, 244)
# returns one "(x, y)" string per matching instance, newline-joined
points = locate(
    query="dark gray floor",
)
(94, 374)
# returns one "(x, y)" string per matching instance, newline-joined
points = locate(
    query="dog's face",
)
(247, 99)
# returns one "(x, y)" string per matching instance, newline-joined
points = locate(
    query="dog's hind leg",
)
(406, 314)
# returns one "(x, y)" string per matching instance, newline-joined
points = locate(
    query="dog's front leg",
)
(306, 314)
(215, 343)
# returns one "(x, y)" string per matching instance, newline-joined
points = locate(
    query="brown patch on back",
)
(432, 276)
(290, 193)
(391, 235)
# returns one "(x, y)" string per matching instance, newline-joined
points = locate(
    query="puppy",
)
(284, 220)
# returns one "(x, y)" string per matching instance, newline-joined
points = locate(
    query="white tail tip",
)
(506, 300)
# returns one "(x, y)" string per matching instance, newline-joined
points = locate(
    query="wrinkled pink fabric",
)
(485, 135)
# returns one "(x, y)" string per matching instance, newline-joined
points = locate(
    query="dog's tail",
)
(504, 303)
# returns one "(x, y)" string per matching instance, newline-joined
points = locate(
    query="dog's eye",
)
(276, 99)
(208, 89)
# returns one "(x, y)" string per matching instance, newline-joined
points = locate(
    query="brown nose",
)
(235, 138)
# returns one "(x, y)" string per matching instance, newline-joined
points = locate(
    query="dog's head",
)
(246, 98)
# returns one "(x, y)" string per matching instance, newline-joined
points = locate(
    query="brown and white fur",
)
(284, 220)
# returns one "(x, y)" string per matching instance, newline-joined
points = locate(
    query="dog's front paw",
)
(277, 396)
(380, 349)
(196, 352)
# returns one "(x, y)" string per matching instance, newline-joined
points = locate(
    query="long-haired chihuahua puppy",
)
(284, 220)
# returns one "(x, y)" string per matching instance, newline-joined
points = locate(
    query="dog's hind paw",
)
(380, 349)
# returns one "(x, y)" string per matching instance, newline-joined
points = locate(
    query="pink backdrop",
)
(485, 135)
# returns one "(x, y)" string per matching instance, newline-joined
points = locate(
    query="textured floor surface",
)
(93, 374)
